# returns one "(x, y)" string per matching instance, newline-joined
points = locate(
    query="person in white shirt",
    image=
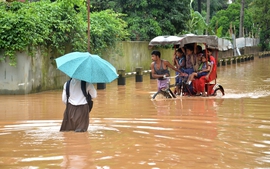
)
(76, 115)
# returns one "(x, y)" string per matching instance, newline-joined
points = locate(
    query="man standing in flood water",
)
(159, 70)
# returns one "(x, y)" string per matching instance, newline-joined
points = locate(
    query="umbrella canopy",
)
(87, 67)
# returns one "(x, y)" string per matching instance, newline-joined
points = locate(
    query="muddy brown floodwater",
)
(128, 130)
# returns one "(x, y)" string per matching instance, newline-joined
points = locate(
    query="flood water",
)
(128, 130)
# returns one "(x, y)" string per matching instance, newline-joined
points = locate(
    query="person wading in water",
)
(77, 95)
(159, 70)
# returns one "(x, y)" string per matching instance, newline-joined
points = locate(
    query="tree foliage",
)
(56, 26)
(107, 28)
(149, 18)
(61, 26)
(196, 24)
(231, 16)
(215, 6)
(261, 16)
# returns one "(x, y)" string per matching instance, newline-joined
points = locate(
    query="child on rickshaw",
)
(203, 70)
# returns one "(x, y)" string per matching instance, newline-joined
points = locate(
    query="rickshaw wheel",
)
(163, 95)
(218, 93)
(158, 95)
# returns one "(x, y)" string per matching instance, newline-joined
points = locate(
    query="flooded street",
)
(128, 130)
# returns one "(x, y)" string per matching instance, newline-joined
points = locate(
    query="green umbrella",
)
(87, 67)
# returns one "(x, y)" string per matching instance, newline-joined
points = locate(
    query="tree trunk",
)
(241, 33)
(199, 6)
(208, 14)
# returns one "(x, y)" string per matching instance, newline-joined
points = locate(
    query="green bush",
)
(56, 27)
(107, 28)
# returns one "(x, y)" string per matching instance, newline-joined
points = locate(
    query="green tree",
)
(196, 24)
(56, 27)
(107, 29)
(149, 18)
(215, 6)
(231, 16)
(261, 16)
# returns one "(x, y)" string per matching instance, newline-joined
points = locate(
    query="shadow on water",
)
(129, 130)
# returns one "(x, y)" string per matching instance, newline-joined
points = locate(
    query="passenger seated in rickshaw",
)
(193, 58)
(213, 72)
(199, 84)
(198, 52)
(180, 63)
(203, 70)
(190, 59)
(189, 69)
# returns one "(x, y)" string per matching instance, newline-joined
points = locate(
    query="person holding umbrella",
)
(84, 69)
(76, 115)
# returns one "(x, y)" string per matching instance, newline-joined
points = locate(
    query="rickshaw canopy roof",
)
(210, 40)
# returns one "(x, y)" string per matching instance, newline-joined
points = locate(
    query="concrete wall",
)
(129, 55)
(31, 74)
(243, 51)
(39, 73)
